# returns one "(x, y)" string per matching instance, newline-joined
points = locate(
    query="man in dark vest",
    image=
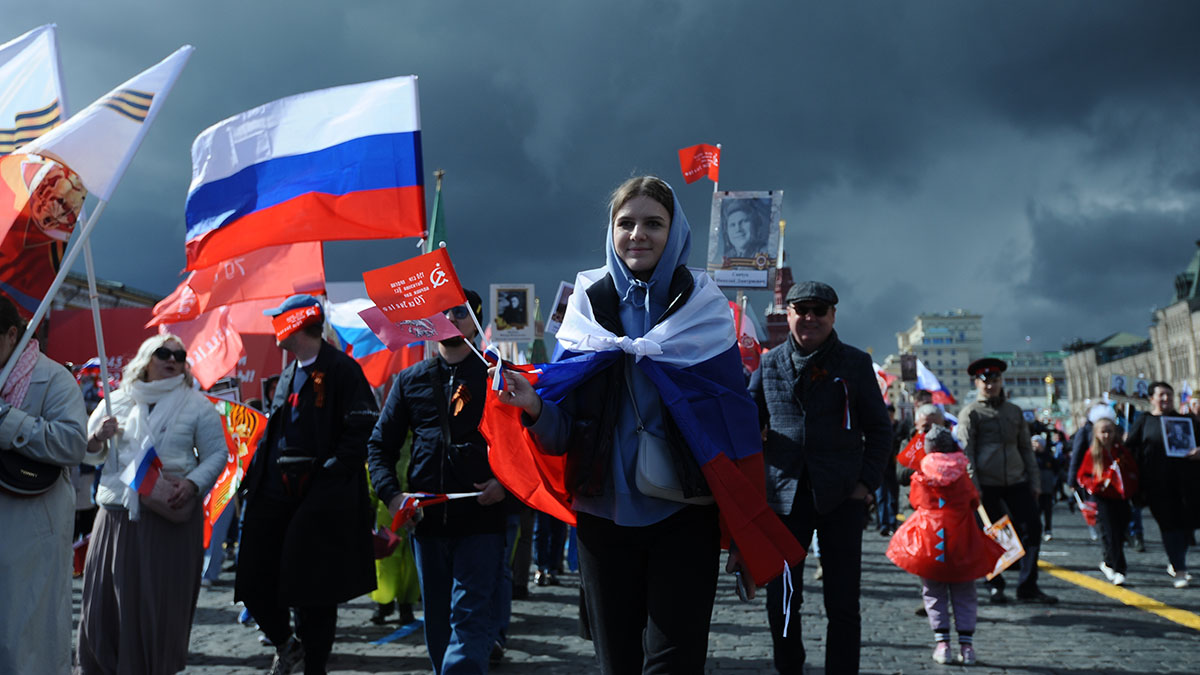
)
(827, 435)
(306, 535)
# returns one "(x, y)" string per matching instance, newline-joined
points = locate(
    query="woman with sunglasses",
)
(636, 331)
(141, 577)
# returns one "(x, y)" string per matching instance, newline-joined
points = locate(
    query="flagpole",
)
(478, 327)
(68, 261)
(715, 182)
(95, 301)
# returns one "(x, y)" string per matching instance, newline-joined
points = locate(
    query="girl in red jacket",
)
(942, 543)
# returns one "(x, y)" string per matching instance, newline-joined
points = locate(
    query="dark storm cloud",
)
(1116, 265)
(904, 134)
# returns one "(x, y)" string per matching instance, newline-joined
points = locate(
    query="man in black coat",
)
(306, 534)
(459, 545)
(827, 437)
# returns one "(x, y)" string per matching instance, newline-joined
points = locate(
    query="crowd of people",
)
(653, 344)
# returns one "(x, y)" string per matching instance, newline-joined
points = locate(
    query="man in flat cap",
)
(995, 438)
(827, 435)
(306, 534)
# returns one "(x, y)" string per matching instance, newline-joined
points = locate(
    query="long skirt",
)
(141, 581)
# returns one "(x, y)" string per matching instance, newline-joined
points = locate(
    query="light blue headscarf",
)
(642, 303)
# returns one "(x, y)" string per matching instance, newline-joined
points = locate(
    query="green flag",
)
(437, 222)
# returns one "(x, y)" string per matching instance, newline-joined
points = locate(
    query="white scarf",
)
(698, 331)
(168, 397)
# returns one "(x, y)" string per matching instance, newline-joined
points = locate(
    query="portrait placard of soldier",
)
(512, 312)
(1178, 438)
(565, 289)
(743, 240)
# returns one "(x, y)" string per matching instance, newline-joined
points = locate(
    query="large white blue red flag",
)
(693, 361)
(340, 163)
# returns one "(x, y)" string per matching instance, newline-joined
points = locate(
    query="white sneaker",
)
(1047, 537)
(1181, 582)
(1171, 571)
(1118, 579)
(1108, 572)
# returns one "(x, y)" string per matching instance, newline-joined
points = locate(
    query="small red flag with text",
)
(416, 288)
(699, 161)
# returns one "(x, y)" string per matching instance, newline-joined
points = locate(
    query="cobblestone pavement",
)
(1086, 632)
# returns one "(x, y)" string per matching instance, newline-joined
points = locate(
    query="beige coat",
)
(995, 438)
(35, 556)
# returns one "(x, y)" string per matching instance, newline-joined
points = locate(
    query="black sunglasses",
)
(458, 312)
(815, 310)
(165, 354)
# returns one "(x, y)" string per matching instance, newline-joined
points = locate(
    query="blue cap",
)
(294, 302)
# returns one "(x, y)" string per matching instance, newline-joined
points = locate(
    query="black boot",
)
(382, 612)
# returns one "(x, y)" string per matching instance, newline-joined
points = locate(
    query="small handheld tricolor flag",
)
(144, 471)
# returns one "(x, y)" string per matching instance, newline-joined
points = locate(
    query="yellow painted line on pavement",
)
(1136, 600)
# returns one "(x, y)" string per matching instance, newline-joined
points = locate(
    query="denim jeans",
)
(502, 600)
(214, 556)
(458, 582)
(549, 534)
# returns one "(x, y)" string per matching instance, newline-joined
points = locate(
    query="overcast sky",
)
(1035, 162)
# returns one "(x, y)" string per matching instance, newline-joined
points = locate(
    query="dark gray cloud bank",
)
(1031, 161)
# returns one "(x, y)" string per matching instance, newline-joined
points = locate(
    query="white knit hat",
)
(1101, 412)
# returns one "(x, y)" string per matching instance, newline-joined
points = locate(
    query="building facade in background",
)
(946, 342)
(1112, 368)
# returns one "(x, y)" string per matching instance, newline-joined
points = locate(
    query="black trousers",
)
(1017, 502)
(649, 590)
(1112, 518)
(840, 534)
(315, 625)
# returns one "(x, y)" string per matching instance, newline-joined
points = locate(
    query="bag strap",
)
(629, 388)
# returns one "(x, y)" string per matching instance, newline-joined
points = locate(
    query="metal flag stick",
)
(95, 302)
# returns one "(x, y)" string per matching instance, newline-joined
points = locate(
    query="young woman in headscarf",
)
(650, 348)
(141, 577)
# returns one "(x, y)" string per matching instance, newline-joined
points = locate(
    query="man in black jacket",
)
(458, 544)
(827, 437)
(306, 535)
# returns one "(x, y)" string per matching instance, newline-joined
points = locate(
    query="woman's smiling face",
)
(640, 231)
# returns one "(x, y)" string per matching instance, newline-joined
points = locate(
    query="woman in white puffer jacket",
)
(142, 574)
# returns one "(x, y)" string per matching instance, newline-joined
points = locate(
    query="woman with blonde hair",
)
(141, 578)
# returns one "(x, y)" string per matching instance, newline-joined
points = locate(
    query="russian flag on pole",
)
(144, 471)
(928, 381)
(340, 163)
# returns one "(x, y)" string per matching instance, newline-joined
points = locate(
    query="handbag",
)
(156, 501)
(24, 477)
(656, 475)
